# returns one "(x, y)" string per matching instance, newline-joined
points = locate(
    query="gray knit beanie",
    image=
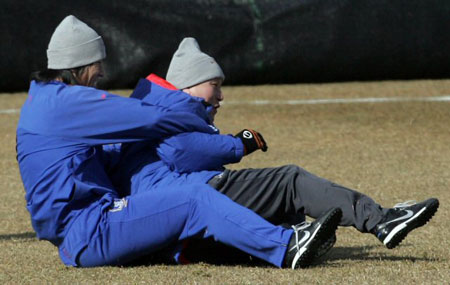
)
(190, 66)
(74, 44)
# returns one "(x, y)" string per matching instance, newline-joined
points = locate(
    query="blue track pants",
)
(142, 223)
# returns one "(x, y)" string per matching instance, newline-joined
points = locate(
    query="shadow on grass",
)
(205, 251)
(19, 236)
(220, 255)
(363, 253)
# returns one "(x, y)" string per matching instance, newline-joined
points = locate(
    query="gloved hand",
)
(252, 141)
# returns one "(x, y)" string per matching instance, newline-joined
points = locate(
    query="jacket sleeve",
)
(96, 117)
(190, 152)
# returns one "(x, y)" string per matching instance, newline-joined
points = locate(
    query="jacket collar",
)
(160, 81)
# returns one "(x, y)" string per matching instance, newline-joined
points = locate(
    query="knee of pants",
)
(294, 170)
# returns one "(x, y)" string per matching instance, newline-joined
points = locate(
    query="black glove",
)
(252, 141)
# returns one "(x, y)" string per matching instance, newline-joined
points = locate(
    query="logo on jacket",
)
(118, 205)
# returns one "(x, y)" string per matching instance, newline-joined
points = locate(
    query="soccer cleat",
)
(309, 237)
(404, 218)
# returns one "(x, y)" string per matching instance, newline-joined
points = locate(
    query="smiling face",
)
(210, 91)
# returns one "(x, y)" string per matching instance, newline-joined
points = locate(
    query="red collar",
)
(160, 81)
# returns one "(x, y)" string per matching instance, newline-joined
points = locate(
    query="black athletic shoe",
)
(402, 219)
(325, 247)
(309, 237)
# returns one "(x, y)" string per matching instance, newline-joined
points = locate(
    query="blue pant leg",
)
(154, 219)
(232, 224)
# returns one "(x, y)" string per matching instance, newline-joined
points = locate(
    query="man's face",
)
(91, 75)
(210, 91)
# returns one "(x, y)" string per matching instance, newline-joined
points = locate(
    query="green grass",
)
(390, 151)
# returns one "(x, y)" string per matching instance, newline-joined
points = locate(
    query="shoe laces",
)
(303, 225)
(405, 204)
(297, 228)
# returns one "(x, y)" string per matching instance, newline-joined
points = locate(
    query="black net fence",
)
(255, 42)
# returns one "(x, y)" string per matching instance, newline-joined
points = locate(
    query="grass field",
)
(392, 151)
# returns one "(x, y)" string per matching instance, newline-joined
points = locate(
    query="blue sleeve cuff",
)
(239, 146)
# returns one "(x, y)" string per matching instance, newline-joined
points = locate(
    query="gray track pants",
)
(285, 194)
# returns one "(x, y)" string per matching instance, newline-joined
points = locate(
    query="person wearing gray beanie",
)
(74, 44)
(197, 74)
(190, 66)
(281, 195)
(74, 54)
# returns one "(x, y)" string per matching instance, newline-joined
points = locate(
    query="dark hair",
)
(68, 76)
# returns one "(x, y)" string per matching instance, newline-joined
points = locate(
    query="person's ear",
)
(187, 90)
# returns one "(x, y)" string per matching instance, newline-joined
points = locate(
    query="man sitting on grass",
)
(282, 195)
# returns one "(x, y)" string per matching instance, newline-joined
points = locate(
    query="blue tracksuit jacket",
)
(192, 157)
(61, 160)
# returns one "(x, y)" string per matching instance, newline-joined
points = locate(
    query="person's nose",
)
(219, 96)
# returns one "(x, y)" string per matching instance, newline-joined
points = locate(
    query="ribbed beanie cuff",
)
(73, 57)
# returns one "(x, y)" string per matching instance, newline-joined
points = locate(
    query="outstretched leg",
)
(278, 194)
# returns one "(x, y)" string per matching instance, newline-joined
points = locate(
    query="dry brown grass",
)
(391, 151)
